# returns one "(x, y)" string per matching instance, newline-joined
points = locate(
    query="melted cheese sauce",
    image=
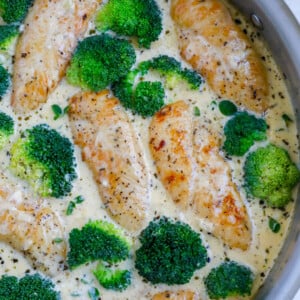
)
(265, 244)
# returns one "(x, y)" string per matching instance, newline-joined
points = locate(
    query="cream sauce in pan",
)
(265, 244)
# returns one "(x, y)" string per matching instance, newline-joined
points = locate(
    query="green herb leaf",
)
(197, 112)
(93, 293)
(78, 199)
(70, 208)
(66, 109)
(287, 119)
(227, 108)
(57, 111)
(58, 240)
(274, 225)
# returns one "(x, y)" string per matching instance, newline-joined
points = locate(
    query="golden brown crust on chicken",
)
(51, 32)
(113, 152)
(200, 179)
(179, 295)
(32, 228)
(216, 47)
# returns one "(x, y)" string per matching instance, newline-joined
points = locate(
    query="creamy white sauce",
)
(265, 244)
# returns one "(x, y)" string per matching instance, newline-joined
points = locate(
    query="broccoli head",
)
(134, 18)
(8, 33)
(29, 287)
(97, 240)
(100, 60)
(4, 81)
(6, 128)
(117, 280)
(44, 158)
(242, 131)
(270, 175)
(228, 280)
(170, 252)
(146, 98)
(173, 71)
(14, 10)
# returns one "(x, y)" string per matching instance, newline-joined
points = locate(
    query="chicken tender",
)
(52, 29)
(197, 177)
(113, 152)
(180, 295)
(32, 228)
(216, 47)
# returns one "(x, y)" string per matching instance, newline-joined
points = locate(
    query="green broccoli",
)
(242, 131)
(229, 279)
(44, 158)
(146, 98)
(8, 33)
(170, 252)
(117, 280)
(6, 128)
(141, 19)
(97, 240)
(13, 11)
(270, 175)
(4, 81)
(29, 287)
(173, 71)
(100, 60)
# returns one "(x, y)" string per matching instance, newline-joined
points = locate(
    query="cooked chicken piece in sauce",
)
(180, 295)
(32, 228)
(186, 153)
(113, 152)
(51, 32)
(217, 48)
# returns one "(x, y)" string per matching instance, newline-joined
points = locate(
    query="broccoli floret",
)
(14, 10)
(270, 175)
(6, 128)
(44, 158)
(8, 33)
(170, 252)
(97, 240)
(134, 18)
(4, 81)
(229, 279)
(9, 287)
(117, 280)
(173, 71)
(146, 98)
(100, 60)
(242, 131)
(29, 287)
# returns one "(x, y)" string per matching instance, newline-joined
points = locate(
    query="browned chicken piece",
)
(180, 295)
(52, 29)
(32, 228)
(113, 152)
(186, 153)
(217, 48)
(173, 151)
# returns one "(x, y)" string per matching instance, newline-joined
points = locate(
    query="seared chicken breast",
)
(113, 152)
(180, 295)
(51, 32)
(216, 47)
(186, 153)
(32, 228)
